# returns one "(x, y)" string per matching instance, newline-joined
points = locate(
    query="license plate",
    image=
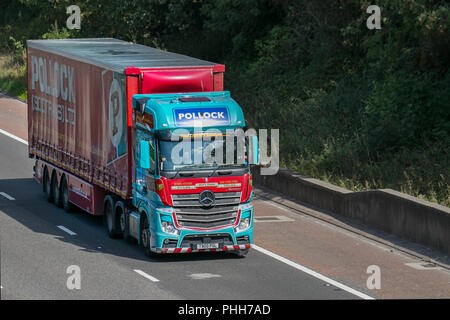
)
(207, 246)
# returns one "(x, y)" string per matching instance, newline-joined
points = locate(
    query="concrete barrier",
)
(391, 211)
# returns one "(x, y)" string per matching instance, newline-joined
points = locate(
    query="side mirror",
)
(142, 189)
(144, 159)
(254, 150)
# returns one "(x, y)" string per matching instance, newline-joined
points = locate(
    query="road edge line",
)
(313, 273)
(6, 133)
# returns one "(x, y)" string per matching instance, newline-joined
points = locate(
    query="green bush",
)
(405, 110)
(356, 107)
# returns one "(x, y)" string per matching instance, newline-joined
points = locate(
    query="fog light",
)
(243, 225)
(168, 227)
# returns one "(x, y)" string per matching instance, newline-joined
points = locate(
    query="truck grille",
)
(190, 213)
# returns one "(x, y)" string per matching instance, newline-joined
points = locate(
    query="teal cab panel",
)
(188, 111)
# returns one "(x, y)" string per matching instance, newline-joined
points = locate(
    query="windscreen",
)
(203, 154)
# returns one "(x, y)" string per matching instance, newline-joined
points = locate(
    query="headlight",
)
(243, 225)
(168, 227)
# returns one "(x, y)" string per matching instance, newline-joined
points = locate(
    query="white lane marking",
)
(423, 266)
(149, 277)
(7, 196)
(272, 219)
(201, 276)
(275, 205)
(6, 133)
(67, 230)
(313, 273)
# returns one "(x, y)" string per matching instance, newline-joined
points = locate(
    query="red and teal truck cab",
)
(128, 132)
(183, 202)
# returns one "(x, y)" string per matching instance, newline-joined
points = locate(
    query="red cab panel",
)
(177, 80)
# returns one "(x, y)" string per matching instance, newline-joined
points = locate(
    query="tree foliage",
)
(359, 107)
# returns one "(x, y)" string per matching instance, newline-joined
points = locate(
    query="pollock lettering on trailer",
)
(53, 79)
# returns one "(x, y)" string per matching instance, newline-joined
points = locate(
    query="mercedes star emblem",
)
(206, 198)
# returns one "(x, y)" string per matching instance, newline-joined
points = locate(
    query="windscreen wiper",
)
(222, 173)
(186, 173)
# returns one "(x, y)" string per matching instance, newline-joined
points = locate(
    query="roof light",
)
(194, 99)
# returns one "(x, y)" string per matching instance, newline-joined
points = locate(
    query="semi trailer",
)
(122, 130)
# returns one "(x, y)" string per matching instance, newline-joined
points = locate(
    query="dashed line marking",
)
(149, 277)
(272, 219)
(7, 196)
(67, 230)
(201, 276)
(423, 266)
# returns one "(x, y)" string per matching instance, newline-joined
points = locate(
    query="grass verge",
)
(13, 74)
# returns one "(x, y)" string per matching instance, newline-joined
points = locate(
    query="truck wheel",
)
(145, 236)
(55, 191)
(47, 187)
(111, 221)
(67, 206)
(123, 226)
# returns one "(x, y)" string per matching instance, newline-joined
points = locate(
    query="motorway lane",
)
(35, 255)
(331, 245)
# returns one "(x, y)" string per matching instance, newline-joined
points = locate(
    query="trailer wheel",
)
(56, 191)
(145, 236)
(47, 187)
(110, 218)
(67, 206)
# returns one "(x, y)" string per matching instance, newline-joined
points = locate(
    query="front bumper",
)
(221, 240)
(189, 250)
(227, 238)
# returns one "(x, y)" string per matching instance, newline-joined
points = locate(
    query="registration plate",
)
(207, 246)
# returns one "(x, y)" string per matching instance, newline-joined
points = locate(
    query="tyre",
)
(67, 206)
(111, 219)
(47, 187)
(56, 191)
(145, 236)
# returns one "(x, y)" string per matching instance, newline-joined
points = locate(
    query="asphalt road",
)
(300, 252)
(35, 255)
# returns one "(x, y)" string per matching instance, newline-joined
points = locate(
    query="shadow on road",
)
(31, 209)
